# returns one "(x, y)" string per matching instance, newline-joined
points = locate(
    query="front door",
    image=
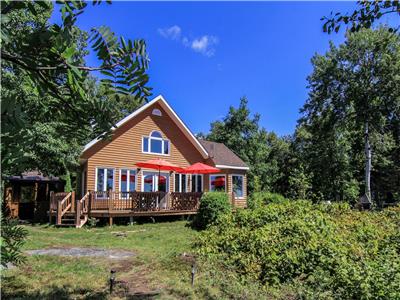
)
(153, 183)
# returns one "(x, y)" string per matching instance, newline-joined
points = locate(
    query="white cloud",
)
(173, 32)
(204, 44)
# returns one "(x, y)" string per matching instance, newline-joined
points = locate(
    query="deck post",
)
(131, 220)
(110, 221)
(78, 213)
(73, 201)
(110, 200)
(59, 210)
(50, 206)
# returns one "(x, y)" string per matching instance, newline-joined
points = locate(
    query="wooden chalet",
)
(113, 186)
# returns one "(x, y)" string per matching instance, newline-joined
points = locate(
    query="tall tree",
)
(264, 152)
(354, 100)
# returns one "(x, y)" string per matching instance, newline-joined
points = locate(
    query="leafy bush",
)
(92, 222)
(12, 239)
(260, 198)
(322, 251)
(212, 206)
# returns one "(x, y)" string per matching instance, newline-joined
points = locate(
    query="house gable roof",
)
(223, 157)
(172, 114)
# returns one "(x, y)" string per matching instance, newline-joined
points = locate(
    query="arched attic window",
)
(156, 134)
(156, 112)
(155, 144)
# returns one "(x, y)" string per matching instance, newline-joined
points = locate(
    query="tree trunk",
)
(368, 163)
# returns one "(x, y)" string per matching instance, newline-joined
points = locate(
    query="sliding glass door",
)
(151, 182)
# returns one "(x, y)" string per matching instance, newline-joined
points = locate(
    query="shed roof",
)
(33, 176)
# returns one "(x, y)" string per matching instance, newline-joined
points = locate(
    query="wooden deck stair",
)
(67, 210)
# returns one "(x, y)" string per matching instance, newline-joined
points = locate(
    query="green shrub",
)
(13, 238)
(92, 222)
(212, 206)
(323, 251)
(257, 199)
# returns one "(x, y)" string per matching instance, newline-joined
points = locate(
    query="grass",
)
(158, 270)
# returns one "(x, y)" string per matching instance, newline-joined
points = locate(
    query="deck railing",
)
(82, 209)
(66, 204)
(143, 201)
(185, 201)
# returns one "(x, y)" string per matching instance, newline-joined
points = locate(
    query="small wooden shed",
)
(27, 196)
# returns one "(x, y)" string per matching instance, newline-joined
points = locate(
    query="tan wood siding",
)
(125, 147)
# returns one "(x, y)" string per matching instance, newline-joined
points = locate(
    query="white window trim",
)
(155, 183)
(149, 138)
(105, 179)
(195, 184)
(224, 175)
(180, 181)
(128, 176)
(241, 175)
(231, 167)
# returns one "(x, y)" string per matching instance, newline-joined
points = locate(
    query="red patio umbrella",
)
(160, 165)
(200, 168)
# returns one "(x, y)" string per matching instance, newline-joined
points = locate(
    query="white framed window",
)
(217, 183)
(181, 183)
(238, 185)
(197, 183)
(127, 180)
(104, 179)
(155, 144)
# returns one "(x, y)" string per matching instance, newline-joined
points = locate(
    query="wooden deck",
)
(75, 212)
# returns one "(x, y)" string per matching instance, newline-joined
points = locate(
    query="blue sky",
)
(206, 55)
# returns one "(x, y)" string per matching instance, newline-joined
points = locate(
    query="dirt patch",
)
(83, 252)
(188, 258)
(138, 283)
(133, 280)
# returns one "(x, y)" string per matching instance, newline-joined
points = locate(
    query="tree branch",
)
(63, 66)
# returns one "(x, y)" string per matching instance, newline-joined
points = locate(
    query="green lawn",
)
(158, 268)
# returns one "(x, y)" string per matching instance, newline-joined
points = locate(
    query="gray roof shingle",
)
(222, 155)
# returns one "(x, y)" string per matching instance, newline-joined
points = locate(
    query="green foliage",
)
(363, 17)
(264, 152)
(51, 105)
(12, 239)
(213, 205)
(322, 251)
(48, 52)
(259, 199)
(92, 222)
(68, 184)
(351, 85)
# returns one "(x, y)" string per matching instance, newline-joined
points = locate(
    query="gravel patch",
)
(83, 252)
